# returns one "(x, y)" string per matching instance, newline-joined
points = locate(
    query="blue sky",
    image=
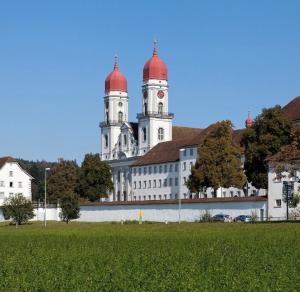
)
(224, 58)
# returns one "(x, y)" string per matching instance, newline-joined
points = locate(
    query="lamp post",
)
(45, 199)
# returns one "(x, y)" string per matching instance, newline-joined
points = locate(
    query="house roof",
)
(186, 137)
(292, 109)
(6, 159)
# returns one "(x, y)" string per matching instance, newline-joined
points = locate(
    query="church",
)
(151, 159)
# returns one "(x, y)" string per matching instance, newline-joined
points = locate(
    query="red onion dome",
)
(248, 121)
(115, 81)
(155, 68)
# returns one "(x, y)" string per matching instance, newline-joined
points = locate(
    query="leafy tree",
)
(94, 178)
(270, 131)
(219, 161)
(18, 208)
(63, 179)
(69, 203)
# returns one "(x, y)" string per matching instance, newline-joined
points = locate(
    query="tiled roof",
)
(292, 109)
(169, 151)
(6, 159)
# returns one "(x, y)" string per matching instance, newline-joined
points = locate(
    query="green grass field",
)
(150, 257)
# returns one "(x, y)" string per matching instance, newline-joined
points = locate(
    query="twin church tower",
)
(121, 139)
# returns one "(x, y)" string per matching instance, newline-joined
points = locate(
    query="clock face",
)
(160, 94)
(145, 93)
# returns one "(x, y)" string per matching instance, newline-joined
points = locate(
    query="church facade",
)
(151, 159)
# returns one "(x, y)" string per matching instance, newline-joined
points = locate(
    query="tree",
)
(94, 178)
(63, 179)
(18, 208)
(270, 131)
(69, 203)
(219, 161)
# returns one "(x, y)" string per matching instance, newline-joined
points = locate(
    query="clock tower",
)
(155, 121)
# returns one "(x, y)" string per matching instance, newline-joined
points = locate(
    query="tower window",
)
(125, 140)
(105, 141)
(160, 108)
(145, 107)
(120, 117)
(144, 134)
(160, 134)
(107, 104)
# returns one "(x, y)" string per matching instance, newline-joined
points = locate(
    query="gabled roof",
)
(6, 159)
(292, 109)
(169, 151)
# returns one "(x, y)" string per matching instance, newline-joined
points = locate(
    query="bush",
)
(206, 216)
(18, 208)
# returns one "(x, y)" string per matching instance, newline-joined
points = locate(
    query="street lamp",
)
(45, 199)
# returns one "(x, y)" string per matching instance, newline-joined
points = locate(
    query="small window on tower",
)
(144, 134)
(160, 108)
(160, 134)
(105, 141)
(120, 117)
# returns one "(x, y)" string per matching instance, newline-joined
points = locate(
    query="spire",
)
(248, 121)
(154, 47)
(116, 65)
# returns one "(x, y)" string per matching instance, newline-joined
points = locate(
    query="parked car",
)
(222, 218)
(242, 218)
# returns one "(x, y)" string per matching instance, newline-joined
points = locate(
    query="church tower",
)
(115, 111)
(155, 121)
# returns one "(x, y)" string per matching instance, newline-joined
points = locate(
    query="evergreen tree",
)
(219, 161)
(94, 178)
(270, 131)
(62, 180)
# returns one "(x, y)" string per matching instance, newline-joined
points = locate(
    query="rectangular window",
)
(231, 193)
(170, 181)
(166, 168)
(184, 166)
(184, 152)
(2, 195)
(176, 181)
(11, 174)
(150, 169)
(140, 171)
(159, 183)
(191, 151)
(149, 197)
(224, 194)
(145, 170)
(19, 184)
(155, 169)
(145, 184)
(2, 183)
(160, 169)
(239, 193)
(11, 184)
(278, 203)
(154, 197)
(144, 198)
(165, 196)
(140, 184)
(171, 168)
(176, 167)
(134, 171)
(149, 184)
(154, 183)
(134, 185)
(165, 182)
(184, 180)
(159, 197)
(191, 165)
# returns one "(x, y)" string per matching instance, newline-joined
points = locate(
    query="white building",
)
(13, 179)
(151, 159)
